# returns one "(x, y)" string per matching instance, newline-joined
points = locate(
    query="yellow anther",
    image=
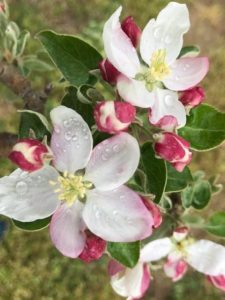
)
(71, 187)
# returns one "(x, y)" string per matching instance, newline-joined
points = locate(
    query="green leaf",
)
(125, 253)
(177, 181)
(35, 121)
(189, 51)
(155, 171)
(205, 128)
(193, 220)
(73, 57)
(215, 187)
(85, 110)
(36, 64)
(32, 226)
(216, 224)
(197, 196)
(88, 95)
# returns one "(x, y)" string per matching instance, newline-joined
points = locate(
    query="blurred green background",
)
(30, 266)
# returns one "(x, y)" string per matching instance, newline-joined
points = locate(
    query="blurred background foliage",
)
(30, 266)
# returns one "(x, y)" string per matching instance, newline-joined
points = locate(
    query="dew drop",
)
(57, 145)
(168, 39)
(157, 32)
(66, 124)
(104, 157)
(107, 150)
(64, 150)
(122, 197)
(116, 148)
(77, 145)
(177, 77)
(97, 214)
(68, 136)
(74, 138)
(21, 188)
(57, 130)
(169, 100)
(86, 137)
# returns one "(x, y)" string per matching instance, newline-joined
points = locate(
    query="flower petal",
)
(175, 269)
(118, 47)
(135, 92)
(186, 73)
(117, 216)
(28, 196)
(207, 257)
(133, 283)
(113, 162)
(71, 140)
(167, 104)
(166, 32)
(156, 250)
(67, 229)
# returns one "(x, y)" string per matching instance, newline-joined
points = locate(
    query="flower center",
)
(71, 187)
(182, 245)
(157, 71)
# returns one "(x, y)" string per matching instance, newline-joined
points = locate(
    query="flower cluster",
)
(105, 177)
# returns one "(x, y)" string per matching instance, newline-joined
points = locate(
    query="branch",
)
(7, 141)
(21, 86)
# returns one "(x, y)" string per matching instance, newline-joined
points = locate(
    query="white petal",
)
(134, 92)
(67, 229)
(156, 250)
(119, 48)
(113, 162)
(117, 216)
(28, 196)
(207, 257)
(166, 32)
(186, 73)
(71, 141)
(130, 284)
(167, 104)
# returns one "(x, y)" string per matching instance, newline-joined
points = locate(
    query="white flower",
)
(160, 45)
(96, 199)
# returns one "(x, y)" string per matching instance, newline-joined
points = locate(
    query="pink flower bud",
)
(174, 149)
(192, 97)
(132, 30)
(108, 71)
(175, 269)
(29, 154)
(218, 281)
(114, 116)
(167, 123)
(93, 249)
(180, 233)
(155, 212)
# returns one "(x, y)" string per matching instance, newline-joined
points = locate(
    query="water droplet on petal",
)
(66, 124)
(104, 157)
(116, 148)
(77, 145)
(169, 100)
(107, 150)
(86, 137)
(68, 136)
(57, 130)
(168, 39)
(97, 214)
(156, 32)
(74, 137)
(177, 77)
(21, 187)
(64, 150)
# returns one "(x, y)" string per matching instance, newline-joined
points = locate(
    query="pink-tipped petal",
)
(156, 250)
(186, 73)
(207, 257)
(131, 283)
(117, 215)
(154, 210)
(192, 97)
(118, 47)
(166, 32)
(71, 141)
(218, 281)
(113, 162)
(67, 229)
(175, 269)
(167, 104)
(135, 92)
(180, 233)
(167, 123)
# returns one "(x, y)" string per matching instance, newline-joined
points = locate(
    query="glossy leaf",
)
(32, 226)
(205, 128)
(155, 171)
(177, 181)
(125, 253)
(34, 121)
(73, 57)
(216, 224)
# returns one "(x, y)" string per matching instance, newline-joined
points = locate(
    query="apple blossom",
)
(94, 199)
(114, 116)
(29, 154)
(131, 283)
(173, 148)
(160, 44)
(204, 256)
